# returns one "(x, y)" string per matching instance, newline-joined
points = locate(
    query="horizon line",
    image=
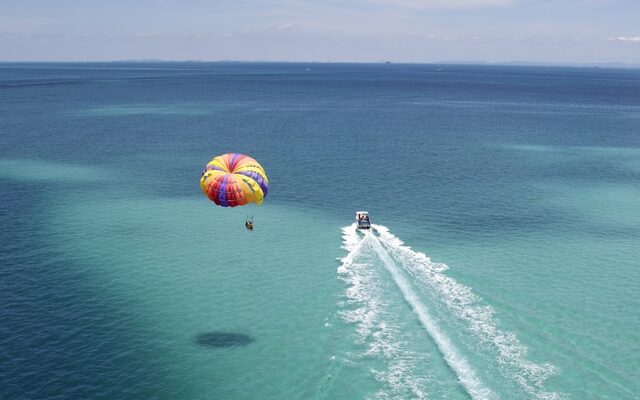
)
(607, 64)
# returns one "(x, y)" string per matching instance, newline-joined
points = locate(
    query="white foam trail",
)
(466, 375)
(376, 328)
(352, 243)
(360, 291)
(511, 354)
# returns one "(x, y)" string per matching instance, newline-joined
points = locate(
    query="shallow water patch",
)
(119, 110)
(26, 170)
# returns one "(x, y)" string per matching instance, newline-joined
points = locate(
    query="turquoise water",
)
(504, 263)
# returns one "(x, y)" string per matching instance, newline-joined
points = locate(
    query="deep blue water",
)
(119, 280)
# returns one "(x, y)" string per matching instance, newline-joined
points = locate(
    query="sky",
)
(496, 31)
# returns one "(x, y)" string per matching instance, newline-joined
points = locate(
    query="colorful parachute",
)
(233, 180)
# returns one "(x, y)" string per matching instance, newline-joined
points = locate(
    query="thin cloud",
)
(439, 37)
(445, 4)
(633, 39)
(286, 27)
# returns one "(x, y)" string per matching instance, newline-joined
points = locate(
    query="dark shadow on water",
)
(218, 339)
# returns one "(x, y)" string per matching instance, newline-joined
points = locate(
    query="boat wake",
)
(433, 297)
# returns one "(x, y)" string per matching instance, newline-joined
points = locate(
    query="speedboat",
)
(362, 220)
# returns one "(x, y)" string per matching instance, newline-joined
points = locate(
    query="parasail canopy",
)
(234, 179)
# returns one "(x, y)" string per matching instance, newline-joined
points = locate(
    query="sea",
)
(504, 262)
